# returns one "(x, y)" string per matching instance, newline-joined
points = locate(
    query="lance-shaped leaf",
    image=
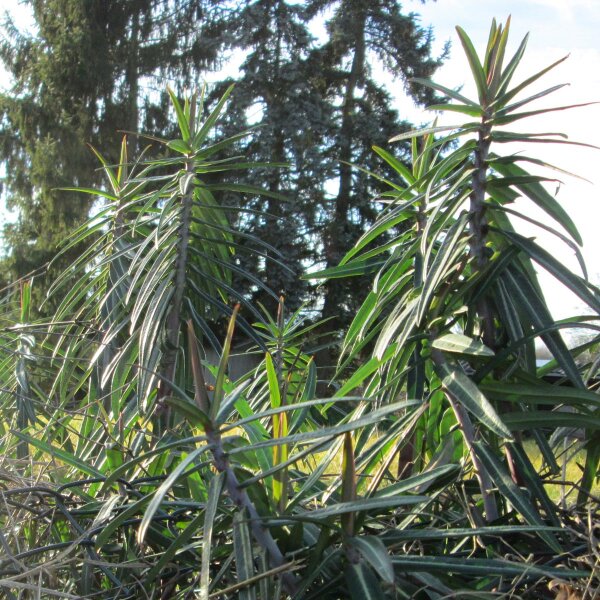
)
(465, 392)
(280, 431)
(223, 365)
(362, 582)
(475, 64)
(244, 557)
(510, 490)
(487, 567)
(214, 495)
(164, 489)
(587, 292)
(536, 192)
(461, 344)
(374, 552)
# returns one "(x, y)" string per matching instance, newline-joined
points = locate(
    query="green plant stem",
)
(238, 494)
(173, 322)
(479, 226)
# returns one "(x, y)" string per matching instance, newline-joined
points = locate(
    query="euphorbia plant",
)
(456, 305)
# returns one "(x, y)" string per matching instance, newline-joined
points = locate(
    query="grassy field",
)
(571, 462)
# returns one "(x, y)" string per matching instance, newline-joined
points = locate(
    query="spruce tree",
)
(362, 34)
(92, 69)
(277, 94)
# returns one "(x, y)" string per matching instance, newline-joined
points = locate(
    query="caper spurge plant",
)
(456, 305)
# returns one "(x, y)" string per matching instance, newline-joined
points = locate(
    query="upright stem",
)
(479, 227)
(239, 496)
(173, 321)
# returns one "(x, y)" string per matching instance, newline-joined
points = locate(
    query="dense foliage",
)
(91, 69)
(87, 70)
(136, 468)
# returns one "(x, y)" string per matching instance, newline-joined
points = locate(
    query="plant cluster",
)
(132, 467)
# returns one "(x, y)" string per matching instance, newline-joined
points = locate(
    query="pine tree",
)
(90, 71)
(277, 93)
(362, 33)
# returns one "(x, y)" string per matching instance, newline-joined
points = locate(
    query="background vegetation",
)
(95, 68)
(438, 463)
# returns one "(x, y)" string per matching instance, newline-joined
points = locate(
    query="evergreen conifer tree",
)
(91, 69)
(362, 36)
(277, 94)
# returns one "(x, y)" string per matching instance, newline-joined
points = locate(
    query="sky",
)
(556, 28)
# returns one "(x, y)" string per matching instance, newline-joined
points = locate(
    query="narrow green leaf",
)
(471, 111)
(534, 482)
(122, 170)
(126, 469)
(200, 391)
(212, 118)
(362, 583)
(354, 268)
(274, 391)
(402, 170)
(182, 539)
(450, 93)
(244, 559)
(461, 344)
(526, 297)
(182, 121)
(590, 469)
(164, 489)
(374, 416)
(541, 197)
(422, 132)
(508, 73)
(214, 495)
(539, 393)
(59, 454)
(179, 146)
(363, 505)
(508, 96)
(539, 419)
(109, 528)
(464, 391)
(375, 553)
(364, 371)
(230, 400)
(452, 248)
(192, 412)
(280, 430)
(486, 567)
(109, 172)
(512, 117)
(588, 293)
(475, 64)
(223, 365)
